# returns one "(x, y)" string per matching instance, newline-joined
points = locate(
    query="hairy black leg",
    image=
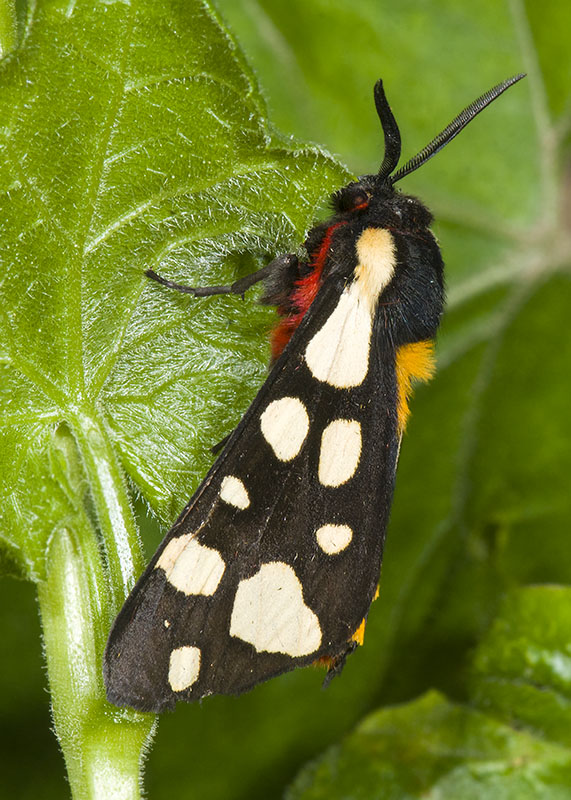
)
(238, 287)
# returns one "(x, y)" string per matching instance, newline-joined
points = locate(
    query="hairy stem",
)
(103, 746)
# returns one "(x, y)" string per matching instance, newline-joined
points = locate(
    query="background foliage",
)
(114, 159)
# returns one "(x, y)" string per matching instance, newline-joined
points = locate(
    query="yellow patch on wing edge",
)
(359, 635)
(415, 361)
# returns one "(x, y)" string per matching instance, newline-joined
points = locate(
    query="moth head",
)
(357, 195)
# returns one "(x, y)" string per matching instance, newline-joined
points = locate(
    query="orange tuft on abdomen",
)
(414, 361)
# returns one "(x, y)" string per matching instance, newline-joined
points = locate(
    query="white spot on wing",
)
(184, 667)
(333, 538)
(340, 452)
(338, 354)
(233, 492)
(284, 425)
(191, 567)
(270, 613)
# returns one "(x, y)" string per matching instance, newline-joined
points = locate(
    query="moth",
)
(275, 561)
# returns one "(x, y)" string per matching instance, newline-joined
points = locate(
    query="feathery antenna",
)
(459, 123)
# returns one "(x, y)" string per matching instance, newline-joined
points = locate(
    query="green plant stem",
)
(103, 758)
(103, 746)
(112, 507)
(8, 27)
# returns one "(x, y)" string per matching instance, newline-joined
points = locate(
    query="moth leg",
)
(238, 287)
(215, 449)
(335, 665)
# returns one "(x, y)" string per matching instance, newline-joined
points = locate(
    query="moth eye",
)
(359, 200)
(351, 199)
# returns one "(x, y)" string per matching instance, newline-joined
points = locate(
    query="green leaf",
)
(125, 147)
(522, 668)
(133, 137)
(8, 27)
(432, 748)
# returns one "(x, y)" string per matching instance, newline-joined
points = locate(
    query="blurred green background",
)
(482, 504)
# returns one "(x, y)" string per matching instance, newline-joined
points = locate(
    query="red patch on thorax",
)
(303, 296)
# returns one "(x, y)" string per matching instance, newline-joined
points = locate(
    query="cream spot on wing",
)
(191, 567)
(270, 613)
(167, 623)
(284, 425)
(233, 492)
(376, 263)
(184, 667)
(333, 538)
(340, 452)
(338, 354)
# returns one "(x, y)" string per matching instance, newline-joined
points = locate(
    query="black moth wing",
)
(287, 505)
(274, 562)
